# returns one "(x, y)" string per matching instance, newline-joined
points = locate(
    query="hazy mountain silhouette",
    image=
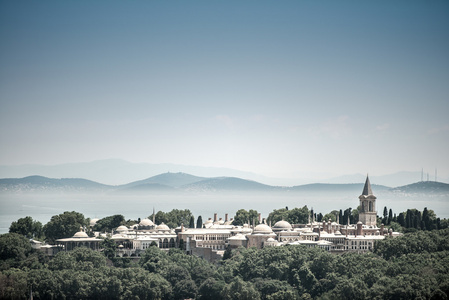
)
(182, 182)
(40, 183)
(334, 187)
(174, 180)
(423, 187)
(119, 172)
(227, 184)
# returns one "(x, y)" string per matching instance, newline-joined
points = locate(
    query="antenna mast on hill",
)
(422, 174)
(427, 176)
(435, 174)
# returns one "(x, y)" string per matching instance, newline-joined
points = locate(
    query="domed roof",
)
(282, 225)
(238, 236)
(162, 226)
(262, 228)
(80, 234)
(122, 228)
(271, 240)
(146, 222)
(93, 221)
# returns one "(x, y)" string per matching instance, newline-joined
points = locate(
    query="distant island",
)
(187, 183)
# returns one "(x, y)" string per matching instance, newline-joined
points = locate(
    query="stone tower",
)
(368, 213)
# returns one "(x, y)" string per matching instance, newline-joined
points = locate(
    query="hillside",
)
(44, 184)
(423, 187)
(173, 180)
(334, 187)
(182, 182)
(227, 184)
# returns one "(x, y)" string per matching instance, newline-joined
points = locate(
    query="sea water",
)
(42, 207)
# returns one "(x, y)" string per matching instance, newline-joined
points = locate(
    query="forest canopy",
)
(412, 266)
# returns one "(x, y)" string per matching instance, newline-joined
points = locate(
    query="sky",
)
(278, 88)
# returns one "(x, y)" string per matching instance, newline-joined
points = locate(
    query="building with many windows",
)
(215, 236)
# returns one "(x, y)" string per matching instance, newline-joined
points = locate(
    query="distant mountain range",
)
(118, 172)
(186, 183)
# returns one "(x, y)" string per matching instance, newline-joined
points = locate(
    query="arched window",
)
(370, 206)
(363, 206)
(165, 245)
(172, 243)
(160, 243)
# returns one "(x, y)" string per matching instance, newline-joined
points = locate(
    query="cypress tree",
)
(192, 222)
(408, 217)
(401, 219)
(199, 222)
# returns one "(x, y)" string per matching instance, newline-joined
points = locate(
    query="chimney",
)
(359, 228)
(226, 217)
(215, 217)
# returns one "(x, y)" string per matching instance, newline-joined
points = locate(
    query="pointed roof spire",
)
(367, 188)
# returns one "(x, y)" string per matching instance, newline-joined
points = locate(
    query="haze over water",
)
(43, 207)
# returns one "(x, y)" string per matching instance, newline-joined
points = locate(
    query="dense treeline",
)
(414, 266)
(68, 223)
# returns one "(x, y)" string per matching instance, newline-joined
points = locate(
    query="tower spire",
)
(154, 217)
(367, 188)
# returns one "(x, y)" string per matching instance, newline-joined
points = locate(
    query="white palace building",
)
(217, 235)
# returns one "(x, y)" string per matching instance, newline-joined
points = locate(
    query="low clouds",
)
(383, 127)
(335, 128)
(225, 120)
(438, 130)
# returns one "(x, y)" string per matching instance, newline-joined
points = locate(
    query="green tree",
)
(277, 215)
(185, 289)
(401, 219)
(27, 227)
(332, 215)
(243, 216)
(298, 215)
(211, 289)
(240, 290)
(192, 222)
(354, 216)
(109, 247)
(173, 218)
(275, 289)
(294, 216)
(13, 284)
(109, 223)
(14, 249)
(64, 225)
(199, 222)
(82, 259)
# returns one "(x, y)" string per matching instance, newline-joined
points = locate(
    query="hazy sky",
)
(279, 88)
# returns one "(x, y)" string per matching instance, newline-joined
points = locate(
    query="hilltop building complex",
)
(217, 235)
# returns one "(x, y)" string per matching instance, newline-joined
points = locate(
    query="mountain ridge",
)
(182, 182)
(120, 172)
